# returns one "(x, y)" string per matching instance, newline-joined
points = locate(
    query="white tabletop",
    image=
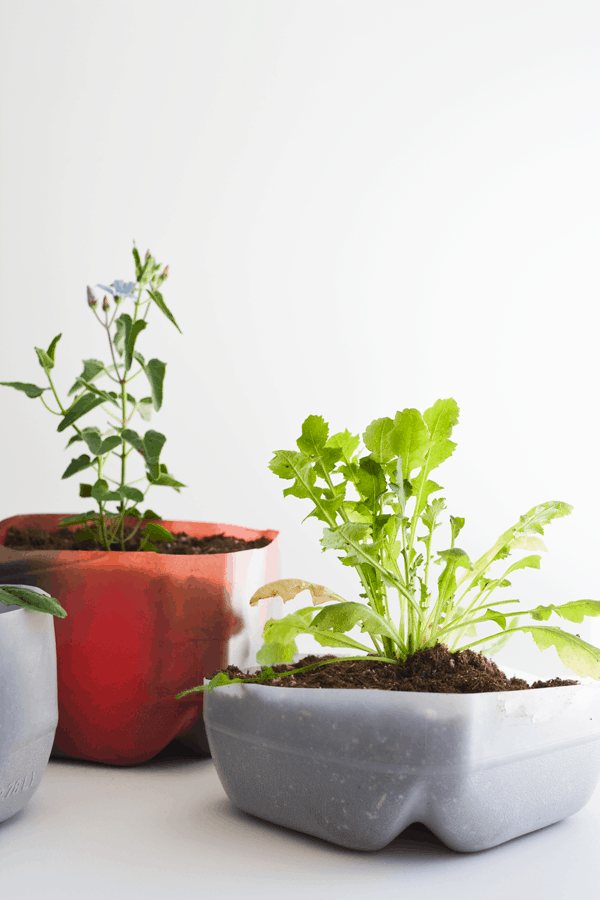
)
(166, 830)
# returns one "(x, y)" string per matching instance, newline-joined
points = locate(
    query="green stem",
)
(491, 637)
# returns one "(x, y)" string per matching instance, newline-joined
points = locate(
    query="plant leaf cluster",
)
(380, 506)
(119, 440)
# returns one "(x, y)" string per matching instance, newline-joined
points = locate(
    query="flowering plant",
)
(104, 526)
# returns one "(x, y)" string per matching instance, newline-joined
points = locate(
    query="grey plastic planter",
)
(28, 702)
(356, 767)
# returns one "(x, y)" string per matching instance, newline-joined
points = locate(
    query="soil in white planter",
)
(431, 670)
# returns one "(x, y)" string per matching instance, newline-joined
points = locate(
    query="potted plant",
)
(419, 726)
(28, 705)
(152, 603)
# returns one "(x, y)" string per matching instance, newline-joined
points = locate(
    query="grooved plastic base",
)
(356, 767)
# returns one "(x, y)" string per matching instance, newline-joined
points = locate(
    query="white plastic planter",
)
(356, 767)
(28, 702)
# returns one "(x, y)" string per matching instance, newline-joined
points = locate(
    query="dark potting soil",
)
(433, 670)
(63, 539)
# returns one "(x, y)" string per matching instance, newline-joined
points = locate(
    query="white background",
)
(364, 206)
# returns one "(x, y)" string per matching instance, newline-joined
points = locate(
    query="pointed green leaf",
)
(154, 441)
(138, 262)
(132, 337)
(121, 338)
(82, 406)
(149, 514)
(155, 371)
(145, 408)
(133, 438)
(93, 439)
(101, 492)
(148, 545)
(109, 443)
(167, 481)
(91, 370)
(52, 348)
(32, 390)
(12, 595)
(130, 493)
(158, 299)
(80, 518)
(77, 465)
(45, 361)
(157, 532)
(107, 396)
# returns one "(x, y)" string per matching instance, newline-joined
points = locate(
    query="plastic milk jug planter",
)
(28, 705)
(141, 624)
(356, 767)
(140, 627)
(420, 726)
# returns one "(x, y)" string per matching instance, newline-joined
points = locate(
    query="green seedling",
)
(386, 534)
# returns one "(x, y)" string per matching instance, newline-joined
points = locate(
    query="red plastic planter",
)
(141, 627)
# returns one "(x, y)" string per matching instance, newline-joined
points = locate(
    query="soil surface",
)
(434, 670)
(63, 539)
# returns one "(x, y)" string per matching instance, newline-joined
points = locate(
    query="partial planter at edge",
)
(356, 767)
(28, 703)
(140, 628)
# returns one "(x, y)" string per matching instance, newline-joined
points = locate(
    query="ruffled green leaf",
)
(576, 654)
(313, 437)
(574, 611)
(377, 439)
(411, 440)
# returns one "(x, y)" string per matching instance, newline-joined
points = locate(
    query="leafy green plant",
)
(386, 533)
(15, 595)
(119, 440)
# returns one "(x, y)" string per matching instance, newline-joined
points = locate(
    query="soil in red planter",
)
(433, 670)
(63, 539)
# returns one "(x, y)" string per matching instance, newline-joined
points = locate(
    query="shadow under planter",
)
(140, 628)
